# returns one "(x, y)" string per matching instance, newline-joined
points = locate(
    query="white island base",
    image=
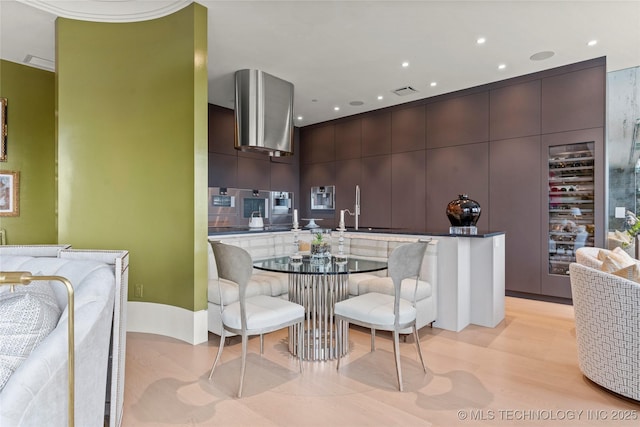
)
(470, 280)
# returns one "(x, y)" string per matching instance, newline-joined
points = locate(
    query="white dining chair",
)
(256, 315)
(387, 312)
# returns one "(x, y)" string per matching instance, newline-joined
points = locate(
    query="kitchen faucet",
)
(357, 207)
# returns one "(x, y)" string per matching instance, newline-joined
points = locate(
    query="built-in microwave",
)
(323, 197)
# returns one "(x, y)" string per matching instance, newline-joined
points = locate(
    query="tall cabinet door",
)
(452, 171)
(573, 203)
(514, 179)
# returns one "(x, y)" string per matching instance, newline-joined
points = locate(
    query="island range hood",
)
(263, 113)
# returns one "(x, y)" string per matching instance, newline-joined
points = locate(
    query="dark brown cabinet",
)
(317, 144)
(221, 130)
(376, 134)
(459, 120)
(348, 139)
(452, 171)
(348, 175)
(408, 129)
(514, 111)
(284, 178)
(222, 170)
(514, 176)
(375, 192)
(574, 101)
(408, 181)
(254, 173)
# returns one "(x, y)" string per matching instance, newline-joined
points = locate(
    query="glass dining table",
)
(317, 284)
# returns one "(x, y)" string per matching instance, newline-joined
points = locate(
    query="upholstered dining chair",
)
(256, 315)
(384, 311)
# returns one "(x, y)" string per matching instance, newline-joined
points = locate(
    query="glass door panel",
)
(571, 203)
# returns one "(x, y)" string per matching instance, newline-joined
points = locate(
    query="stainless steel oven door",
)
(222, 207)
(281, 207)
(254, 201)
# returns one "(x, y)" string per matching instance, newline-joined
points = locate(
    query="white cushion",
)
(375, 308)
(631, 272)
(229, 290)
(262, 312)
(615, 260)
(355, 279)
(258, 247)
(272, 283)
(27, 316)
(378, 249)
(384, 285)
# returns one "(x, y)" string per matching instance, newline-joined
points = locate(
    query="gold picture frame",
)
(3, 129)
(9, 193)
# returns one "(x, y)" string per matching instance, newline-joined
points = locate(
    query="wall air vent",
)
(404, 91)
(36, 61)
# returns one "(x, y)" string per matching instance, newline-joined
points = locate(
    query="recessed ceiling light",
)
(380, 97)
(300, 117)
(336, 108)
(481, 40)
(502, 66)
(592, 42)
(540, 56)
(434, 84)
(405, 64)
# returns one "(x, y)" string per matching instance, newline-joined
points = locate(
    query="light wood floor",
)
(522, 373)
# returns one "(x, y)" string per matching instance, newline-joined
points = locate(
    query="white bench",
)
(367, 245)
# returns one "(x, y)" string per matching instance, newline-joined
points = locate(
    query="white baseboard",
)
(167, 320)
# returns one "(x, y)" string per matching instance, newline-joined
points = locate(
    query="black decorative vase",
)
(463, 212)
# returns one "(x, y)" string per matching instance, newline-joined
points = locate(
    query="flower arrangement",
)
(632, 229)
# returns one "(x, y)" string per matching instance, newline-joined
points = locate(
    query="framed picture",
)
(9, 193)
(3, 129)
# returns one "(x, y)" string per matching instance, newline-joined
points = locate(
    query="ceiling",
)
(341, 52)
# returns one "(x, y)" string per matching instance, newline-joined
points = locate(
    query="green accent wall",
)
(30, 94)
(132, 148)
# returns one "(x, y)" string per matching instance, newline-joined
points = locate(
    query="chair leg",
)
(244, 363)
(396, 351)
(300, 329)
(339, 339)
(220, 347)
(373, 339)
(415, 337)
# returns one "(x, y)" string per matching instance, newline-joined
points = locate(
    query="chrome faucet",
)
(357, 207)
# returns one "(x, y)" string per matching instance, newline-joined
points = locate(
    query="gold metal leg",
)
(14, 278)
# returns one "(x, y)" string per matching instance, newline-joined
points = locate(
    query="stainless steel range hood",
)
(263, 113)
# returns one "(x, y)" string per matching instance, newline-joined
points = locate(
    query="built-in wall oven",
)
(234, 207)
(281, 207)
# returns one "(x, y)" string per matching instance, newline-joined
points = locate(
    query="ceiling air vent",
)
(404, 91)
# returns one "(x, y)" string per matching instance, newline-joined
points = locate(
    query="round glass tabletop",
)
(309, 265)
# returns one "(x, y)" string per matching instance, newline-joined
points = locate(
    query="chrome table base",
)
(318, 294)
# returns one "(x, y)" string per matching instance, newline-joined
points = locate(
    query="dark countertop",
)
(216, 231)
